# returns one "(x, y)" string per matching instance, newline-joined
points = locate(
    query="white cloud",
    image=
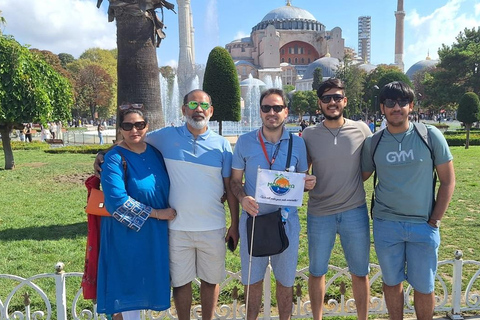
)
(69, 26)
(241, 34)
(426, 34)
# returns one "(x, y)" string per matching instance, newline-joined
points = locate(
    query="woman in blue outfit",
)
(133, 266)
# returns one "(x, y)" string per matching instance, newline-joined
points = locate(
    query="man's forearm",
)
(237, 190)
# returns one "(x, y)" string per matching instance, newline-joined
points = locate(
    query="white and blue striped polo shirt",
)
(196, 168)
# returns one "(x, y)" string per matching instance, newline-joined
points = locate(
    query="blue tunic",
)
(133, 264)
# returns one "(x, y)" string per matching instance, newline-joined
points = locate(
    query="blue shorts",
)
(284, 265)
(353, 226)
(410, 246)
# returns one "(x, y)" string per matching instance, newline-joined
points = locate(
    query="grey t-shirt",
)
(339, 184)
(404, 191)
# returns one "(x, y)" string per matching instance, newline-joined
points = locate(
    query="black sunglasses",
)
(328, 97)
(390, 103)
(127, 126)
(266, 108)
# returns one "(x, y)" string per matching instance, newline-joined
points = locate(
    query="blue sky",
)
(73, 26)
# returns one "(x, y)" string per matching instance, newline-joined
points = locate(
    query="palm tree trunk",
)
(137, 68)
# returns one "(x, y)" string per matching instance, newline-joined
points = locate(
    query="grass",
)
(42, 220)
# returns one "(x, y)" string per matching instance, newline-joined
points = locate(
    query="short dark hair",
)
(276, 91)
(330, 83)
(396, 90)
(185, 98)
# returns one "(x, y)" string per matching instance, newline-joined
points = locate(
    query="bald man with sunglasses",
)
(198, 162)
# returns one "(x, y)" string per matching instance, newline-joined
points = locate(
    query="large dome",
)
(421, 65)
(328, 65)
(288, 12)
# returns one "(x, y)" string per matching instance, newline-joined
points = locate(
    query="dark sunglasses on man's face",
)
(192, 105)
(127, 126)
(266, 108)
(328, 97)
(390, 103)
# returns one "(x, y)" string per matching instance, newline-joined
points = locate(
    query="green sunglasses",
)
(192, 105)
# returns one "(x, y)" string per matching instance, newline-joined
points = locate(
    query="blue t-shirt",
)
(404, 191)
(248, 156)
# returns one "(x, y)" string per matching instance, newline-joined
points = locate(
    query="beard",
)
(197, 124)
(332, 118)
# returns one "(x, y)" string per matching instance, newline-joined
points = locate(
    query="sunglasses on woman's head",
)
(128, 126)
(192, 105)
(131, 106)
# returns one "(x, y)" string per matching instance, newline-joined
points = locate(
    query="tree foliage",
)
(317, 78)
(30, 91)
(305, 102)
(65, 59)
(354, 80)
(458, 71)
(221, 83)
(468, 112)
(94, 90)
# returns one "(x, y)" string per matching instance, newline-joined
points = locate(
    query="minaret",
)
(400, 17)
(186, 59)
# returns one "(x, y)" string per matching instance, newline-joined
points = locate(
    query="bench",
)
(54, 141)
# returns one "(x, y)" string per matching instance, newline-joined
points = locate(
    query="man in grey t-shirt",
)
(337, 203)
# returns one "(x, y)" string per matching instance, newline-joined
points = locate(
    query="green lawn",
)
(42, 219)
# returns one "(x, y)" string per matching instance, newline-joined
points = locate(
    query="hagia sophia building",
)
(290, 43)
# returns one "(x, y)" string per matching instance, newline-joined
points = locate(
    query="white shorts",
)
(197, 254)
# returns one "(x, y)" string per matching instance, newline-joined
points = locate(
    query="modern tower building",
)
(364, 38)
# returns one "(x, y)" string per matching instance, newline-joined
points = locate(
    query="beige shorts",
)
(197, 254)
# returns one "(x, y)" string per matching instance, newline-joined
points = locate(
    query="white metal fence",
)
(59, 296)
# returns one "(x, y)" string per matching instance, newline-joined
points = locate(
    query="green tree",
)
(305, 102)
(458, 71)
(139, 32)
(394, 76)
(94, 90)
(468, 112)
(221, 83)
(65, 58)
(354, 80)
(317, 78)
(30, 91)
(107, 60)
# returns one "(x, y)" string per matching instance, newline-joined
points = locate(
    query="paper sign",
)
(280, 187)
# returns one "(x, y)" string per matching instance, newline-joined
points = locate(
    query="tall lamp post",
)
(375, 91)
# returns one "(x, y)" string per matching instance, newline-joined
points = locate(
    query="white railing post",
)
(60, 291)
(457, 286)
(267, 293)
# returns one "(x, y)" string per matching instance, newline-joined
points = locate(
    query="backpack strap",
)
(289, 154)
(373, 148)
(422, 131)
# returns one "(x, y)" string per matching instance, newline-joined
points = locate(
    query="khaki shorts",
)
(197, 254)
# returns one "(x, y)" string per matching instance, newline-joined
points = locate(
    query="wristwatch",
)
(434, 223)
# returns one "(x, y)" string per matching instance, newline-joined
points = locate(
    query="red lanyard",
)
(270, 162)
